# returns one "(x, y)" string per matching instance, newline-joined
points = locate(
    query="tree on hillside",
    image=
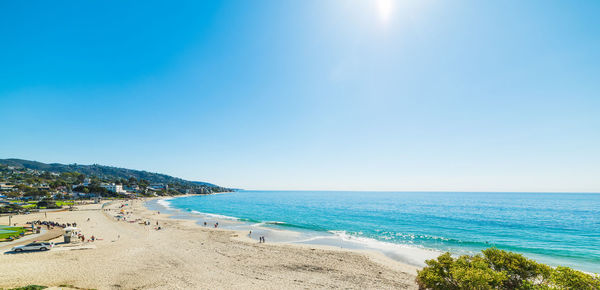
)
(13, 194)
(36, 193)
(23, 187)
(11, 208)
(46, 175)
(82, 189)
(47, 204)
(57, 183)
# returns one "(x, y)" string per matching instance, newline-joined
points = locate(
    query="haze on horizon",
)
(330, 95)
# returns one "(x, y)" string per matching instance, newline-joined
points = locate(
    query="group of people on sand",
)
(216, 224)
(145, 223)
(50, 224)
(82, 238)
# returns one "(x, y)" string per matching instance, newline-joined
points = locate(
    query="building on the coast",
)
(6, 187)
(117, 188)
(131, 188)
(81, 195)
(60, 194)
(157, 186)
(86, 182)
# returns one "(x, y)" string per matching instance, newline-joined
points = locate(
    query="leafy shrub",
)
(30, 287)
(11, 208)
(47, 204)
(571, 279)
(498, 269)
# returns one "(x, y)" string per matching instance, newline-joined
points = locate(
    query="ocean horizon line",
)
(417, 191)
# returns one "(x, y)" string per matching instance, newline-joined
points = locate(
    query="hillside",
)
(105, 172)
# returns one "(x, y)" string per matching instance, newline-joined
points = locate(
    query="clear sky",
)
(344, 95)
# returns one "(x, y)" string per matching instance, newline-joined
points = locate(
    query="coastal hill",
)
(110, 173)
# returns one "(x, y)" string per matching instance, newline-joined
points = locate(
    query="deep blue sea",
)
(554, 228)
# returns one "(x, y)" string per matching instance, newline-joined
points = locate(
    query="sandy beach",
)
(131, 255)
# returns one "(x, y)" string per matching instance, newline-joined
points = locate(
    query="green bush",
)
(47, 204)
(572, 279)
(498, 269)
(30, 287)
(11, 208)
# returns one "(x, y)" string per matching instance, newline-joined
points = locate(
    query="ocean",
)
(553, 228)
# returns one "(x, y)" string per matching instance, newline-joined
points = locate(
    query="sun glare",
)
(385, 9)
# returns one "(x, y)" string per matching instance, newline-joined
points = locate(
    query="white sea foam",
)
(215, 216)
(165, 203)
(402, 252)
(312, 239)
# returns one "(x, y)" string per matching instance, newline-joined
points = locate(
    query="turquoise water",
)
(555, 228)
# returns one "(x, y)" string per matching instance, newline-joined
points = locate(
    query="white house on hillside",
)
(113, 187)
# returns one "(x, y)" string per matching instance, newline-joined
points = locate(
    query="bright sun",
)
(385, 9)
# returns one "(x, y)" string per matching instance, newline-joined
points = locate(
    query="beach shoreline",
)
(242, 236)
(131, 254)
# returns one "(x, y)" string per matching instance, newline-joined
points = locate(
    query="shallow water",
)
(554, 228)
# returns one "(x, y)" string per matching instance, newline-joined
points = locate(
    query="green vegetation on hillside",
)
(36, 180)
(102, 172)
(30, 287)
(498, 269)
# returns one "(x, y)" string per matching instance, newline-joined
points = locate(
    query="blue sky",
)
(343, 95)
